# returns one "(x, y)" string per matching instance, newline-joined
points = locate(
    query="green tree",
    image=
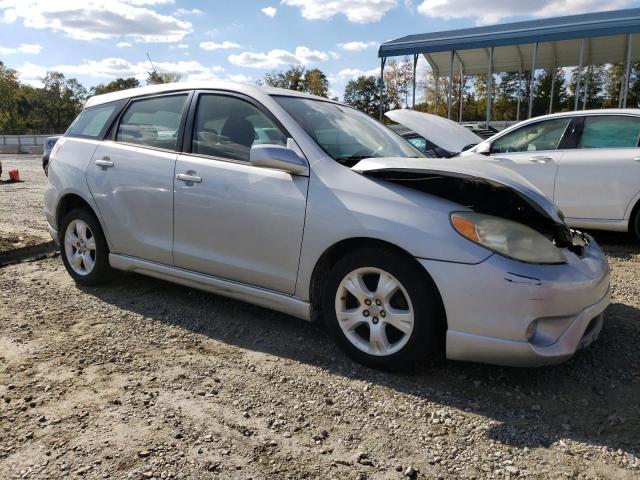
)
(155, 78)
(542, 93)
(291, 78)
(297, 78)
(363, 93)
(592, 84)
(315, 82)
(9, 100)
(115, 85)
(52, 108)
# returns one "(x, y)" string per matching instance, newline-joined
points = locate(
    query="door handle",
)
(104, 162)
(540, 159)
(637, 159)
(189, 177)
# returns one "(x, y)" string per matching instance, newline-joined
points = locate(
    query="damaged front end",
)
(492, 196)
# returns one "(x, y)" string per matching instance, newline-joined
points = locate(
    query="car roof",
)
(602, 111)
(246, 88)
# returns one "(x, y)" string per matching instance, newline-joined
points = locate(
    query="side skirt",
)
(227, 288)
(599, 224)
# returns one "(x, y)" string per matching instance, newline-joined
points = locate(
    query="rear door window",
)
(610, 131)
(92, 122)
(153, 122)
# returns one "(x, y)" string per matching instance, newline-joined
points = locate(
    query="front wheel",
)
(85, 253)
(383, 309)
(635, 223)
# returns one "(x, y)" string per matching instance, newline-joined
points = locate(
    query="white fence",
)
(23, 143)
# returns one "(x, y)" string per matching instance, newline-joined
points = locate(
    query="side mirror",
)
(484, 148)
(278, 157)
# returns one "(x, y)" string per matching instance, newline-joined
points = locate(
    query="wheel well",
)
(338, 251)
(68, 203)
(632, 217)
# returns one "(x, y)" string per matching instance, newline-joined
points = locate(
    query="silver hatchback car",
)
(311, 208)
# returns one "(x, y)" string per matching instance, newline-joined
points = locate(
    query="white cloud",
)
(31, 73)
(357, 46)
(29, 48)
(98, 19)
(226, 45)
(276, 58)
(356, 11)
(33, 48)
(352, 73)
(496, 10)
(184, 12)
(183, 45)
(269, 11)
(123, 44)
(240, 78)
(109, 68)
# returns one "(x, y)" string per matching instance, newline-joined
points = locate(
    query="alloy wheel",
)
(80, 247)
(374, 311)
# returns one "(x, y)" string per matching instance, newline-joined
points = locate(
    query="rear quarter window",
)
(92, 122)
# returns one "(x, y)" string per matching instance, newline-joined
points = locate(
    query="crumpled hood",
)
(471, 167)
(442, 132)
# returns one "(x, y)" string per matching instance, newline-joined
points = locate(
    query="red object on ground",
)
(14, 175)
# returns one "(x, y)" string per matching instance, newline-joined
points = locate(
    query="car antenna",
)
(153, 68)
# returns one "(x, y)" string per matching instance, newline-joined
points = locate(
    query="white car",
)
(587, 162)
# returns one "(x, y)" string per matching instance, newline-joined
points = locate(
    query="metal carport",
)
(576, 40)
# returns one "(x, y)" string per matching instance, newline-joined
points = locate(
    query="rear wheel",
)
(382, 309)
(84, 249)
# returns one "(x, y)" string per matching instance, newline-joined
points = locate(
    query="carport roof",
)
(559, 40)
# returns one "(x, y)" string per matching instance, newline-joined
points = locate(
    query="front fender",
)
(343, 204)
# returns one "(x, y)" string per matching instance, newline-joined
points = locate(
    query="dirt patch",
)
(22, 203)
(146, 379)
(12, 241)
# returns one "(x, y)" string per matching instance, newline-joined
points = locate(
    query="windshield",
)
(346, 134)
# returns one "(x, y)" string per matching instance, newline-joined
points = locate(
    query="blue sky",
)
(99, 40)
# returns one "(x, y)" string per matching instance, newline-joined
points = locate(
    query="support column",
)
(532, 87)
(415, 63)
(627, 73)
(461, 93)
(587, 77)
(553, 88)
(450, 90)
(489, 85)
(575, 106)
(383, 60)
(519, 94)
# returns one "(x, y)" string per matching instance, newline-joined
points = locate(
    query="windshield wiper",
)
(351, 160)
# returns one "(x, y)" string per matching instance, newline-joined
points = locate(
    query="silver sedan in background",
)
(309, 207)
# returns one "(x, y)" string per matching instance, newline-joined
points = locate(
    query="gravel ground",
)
(146, 379)
(22, 221)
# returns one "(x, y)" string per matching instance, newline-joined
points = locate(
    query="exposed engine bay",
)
(486, 196)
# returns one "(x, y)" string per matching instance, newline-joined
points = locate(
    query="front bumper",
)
(490, 307)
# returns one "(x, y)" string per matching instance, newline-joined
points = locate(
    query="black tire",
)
(101, 271)
(635, 223)
(427, 337)
(45, 165)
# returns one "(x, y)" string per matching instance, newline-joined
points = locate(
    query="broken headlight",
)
(508, 238)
